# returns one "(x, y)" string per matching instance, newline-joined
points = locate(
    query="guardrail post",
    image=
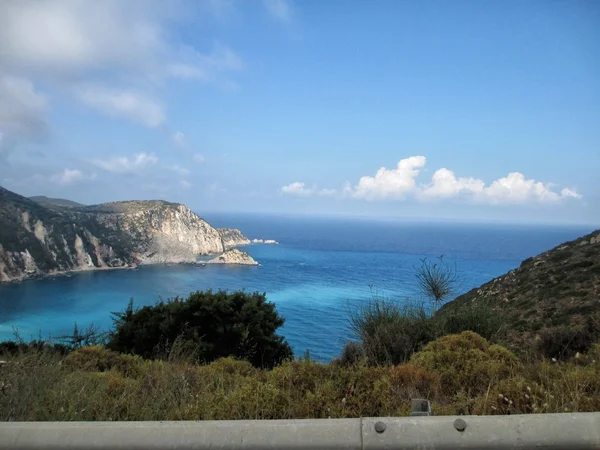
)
(420, 407)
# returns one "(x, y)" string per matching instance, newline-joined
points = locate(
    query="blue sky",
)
(457, 110)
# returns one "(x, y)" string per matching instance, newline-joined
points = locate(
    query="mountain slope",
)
(38, 239)
(35, 240)
(48, 201)
(558, 287)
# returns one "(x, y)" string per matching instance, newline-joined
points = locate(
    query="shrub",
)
(478, 317)
(410, 381)
(205, 326)
(466, 362)
(99, 359)
(352, 354)
(564, 342)
(389, 333)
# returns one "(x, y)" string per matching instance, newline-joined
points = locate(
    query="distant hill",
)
(558, 287)
(48, 201)
(41, 235)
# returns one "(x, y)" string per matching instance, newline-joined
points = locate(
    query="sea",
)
(321, 271)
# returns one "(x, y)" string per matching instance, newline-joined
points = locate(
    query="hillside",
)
(558, 287)
(49, 237)
(60, 202)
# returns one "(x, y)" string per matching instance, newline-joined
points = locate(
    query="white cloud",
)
(70, 176)
(182, 171)
(124, 165)
(390, 183)
(179, 139)
(66, 38)
(73, 44)
(401, 182)
(445, 184)
(280, 10)
(297, 188)
(198, 158)
(131, 105)
(185, 184)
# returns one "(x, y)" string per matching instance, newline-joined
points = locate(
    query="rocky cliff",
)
(232, 237)
(37, 239)
(234, 256)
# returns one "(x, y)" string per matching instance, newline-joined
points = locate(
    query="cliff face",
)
(160, 231)
(232, 237)
(37, 240)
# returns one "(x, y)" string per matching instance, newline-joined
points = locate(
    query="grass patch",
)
(460, 373)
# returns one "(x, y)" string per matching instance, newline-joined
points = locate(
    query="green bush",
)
(564, 342)
(477, 317)
(204, 327)
(352, 354)
(389, 333)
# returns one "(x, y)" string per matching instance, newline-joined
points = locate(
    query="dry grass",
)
(459, 374)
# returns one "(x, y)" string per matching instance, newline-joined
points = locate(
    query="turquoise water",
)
(321, 269)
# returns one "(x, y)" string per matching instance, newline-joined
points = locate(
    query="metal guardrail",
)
(547, 431)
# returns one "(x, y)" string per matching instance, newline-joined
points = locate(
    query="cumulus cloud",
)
(390, 183)
(198, 158)
(297, 188)
(70, 176)
(401, 182)
(126, 104)
(124, 165)
(280, 10)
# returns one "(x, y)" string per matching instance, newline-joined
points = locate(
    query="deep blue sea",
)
(320, 270)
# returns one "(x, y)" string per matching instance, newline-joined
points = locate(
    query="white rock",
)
(234, 256)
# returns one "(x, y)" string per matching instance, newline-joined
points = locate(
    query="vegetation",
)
(217, 355)
(389, 333)
(459, 374)
(436, 280)
(204, 327)
(547, 295)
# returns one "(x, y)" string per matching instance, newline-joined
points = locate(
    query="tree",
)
(205, 326)
(436, 280)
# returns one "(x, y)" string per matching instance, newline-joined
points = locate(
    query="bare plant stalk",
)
(436, 280)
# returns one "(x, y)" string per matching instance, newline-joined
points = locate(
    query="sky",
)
(450, 110)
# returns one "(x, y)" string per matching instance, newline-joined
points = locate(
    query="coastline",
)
(66, 273)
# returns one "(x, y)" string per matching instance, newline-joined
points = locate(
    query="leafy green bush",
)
(203, 327)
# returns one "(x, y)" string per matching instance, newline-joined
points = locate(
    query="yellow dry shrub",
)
(410, 381)
(466, 362)
(99, 359)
